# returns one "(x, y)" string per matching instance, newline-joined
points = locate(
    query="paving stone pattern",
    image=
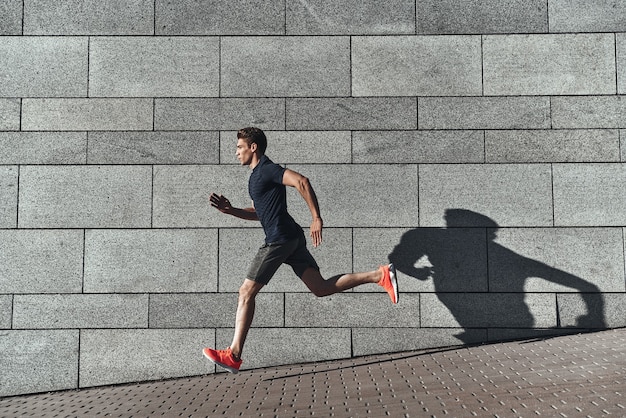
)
(478, 145)
(568, 376)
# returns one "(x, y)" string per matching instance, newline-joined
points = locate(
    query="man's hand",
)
(220, 203)
(316, 231)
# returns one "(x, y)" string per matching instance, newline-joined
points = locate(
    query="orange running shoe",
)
(389, 282)
(223, 358)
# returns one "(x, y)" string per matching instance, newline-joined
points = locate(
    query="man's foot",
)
(223, 358)
(389, 282)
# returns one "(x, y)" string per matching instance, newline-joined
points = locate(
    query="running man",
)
(284, 241)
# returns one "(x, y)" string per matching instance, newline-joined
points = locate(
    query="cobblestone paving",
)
(581, 375)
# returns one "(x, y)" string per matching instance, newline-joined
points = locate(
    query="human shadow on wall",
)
(467, 268)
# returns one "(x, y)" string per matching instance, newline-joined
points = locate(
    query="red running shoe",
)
(389, 282)
(223, 358)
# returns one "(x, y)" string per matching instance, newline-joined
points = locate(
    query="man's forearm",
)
(248, 214)
(307, 192)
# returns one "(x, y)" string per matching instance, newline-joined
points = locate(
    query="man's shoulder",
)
(266, 161)
(267, 166)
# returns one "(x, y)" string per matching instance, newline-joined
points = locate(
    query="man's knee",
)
(248, 290)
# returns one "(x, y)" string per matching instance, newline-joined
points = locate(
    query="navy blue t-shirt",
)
(269, 195)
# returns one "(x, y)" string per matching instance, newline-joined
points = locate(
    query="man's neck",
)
(256, 159)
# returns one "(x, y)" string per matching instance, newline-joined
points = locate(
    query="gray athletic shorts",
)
(271, 256)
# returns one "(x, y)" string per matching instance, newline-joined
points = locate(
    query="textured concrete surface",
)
(479, 145)
(490, 16)
(440, 66)
(63, 58)
(510, 194)
(273, 66)
(87, 114)
(218, 114)
(9, 114)
(553, 65)
(154, 67)
(55, 261)
(89, 17)
(150, 260)
(85, 196)
(484, 112)
(351, 113)
(207, 17)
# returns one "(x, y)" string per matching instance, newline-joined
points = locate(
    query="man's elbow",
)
(304, 184)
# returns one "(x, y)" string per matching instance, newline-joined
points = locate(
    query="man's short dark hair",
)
(253, 135)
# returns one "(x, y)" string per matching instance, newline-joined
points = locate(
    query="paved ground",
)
(580, 375)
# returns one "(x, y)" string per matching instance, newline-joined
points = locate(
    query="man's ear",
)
(253, 147)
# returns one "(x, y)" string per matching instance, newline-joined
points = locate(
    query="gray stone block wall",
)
(479, 145)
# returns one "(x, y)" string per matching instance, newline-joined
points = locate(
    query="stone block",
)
(484, 16)
(85, 196)
(89, 17)
(499, 310)
(368, 341)
(8, 196)
(304, 310)
(589, 194)
(238, 246)
(218, 114)
(484, 112)
(120, 356)
(620, 39)
(411, 147)
(505, 194)
(359, 195)
(588, 112)
(6, 311)
(426, 259)
(38, 361)
(80, 311)
(154, 261)
(491, 195)
(43, 66)
(352, 113)
(285, 66)
(41, 261)
(223, 17)
(579, 310)
(43, 147)
(181, 195)
(583, 260)
(586, 16)
(305, 345)
(11, 17)
(10, 114)
(351, 17)
(292, 147)
(87, 115)
(508, 334)
(622, 135)
(153, 148)
(212, 310)
(552, 146)
(154, 67)
(572, 64)
(416, 66)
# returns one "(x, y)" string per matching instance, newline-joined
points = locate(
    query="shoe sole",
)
(217, 363)
(394, 282)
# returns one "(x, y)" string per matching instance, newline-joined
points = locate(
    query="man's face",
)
(244, 152)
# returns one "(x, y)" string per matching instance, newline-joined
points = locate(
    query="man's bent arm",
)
(248, 214)
(223, 205)
(302, 184)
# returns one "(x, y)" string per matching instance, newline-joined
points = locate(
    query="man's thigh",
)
(268, 259)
